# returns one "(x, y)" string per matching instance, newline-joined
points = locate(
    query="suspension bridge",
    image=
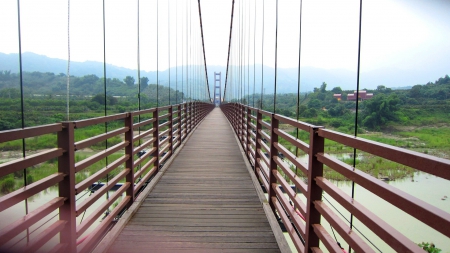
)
(207, 174)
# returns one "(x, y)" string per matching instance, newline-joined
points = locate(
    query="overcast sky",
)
(404, 34)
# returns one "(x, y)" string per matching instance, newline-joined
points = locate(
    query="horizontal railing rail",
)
(278, 168)
(133, 153)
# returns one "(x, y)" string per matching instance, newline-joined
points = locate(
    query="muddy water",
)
(428, 188)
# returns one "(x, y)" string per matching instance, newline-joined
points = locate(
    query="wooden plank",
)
(205, 201)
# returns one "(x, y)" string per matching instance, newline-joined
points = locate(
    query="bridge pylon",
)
(217, 88)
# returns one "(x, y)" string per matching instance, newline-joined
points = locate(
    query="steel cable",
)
(357, 103)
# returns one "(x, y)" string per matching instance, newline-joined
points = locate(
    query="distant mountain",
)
(40, 63)
(286, 77)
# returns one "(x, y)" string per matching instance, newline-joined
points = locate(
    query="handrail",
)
(271, 162)
(127, 164)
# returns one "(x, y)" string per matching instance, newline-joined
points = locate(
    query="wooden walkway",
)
(205, 201)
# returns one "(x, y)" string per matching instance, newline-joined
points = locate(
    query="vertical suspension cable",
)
(244, 58)
(254, 55)
(139, 66)
(298, 77)
(138, 61)
(104, 63)
(182, 62)
(276, 69)
(190, 50)
(157, 53)
(262, 58)
(248, 57)
(176, 52)
(68, 61)
(168, 38)
(241, 38)
(22, 116)
(357, 102)
(186, 44)
(298, 84)
(104, 87)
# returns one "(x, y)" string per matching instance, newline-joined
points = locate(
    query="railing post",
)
(236, 120)
(241, 123)
(66, 165)
(196, 112)
(188, 118)
(247, 145)
(171, 130)
(257, 139)
(316, 145)
(273, 164)
(185, 120)
(129, 152)
(156, 138)
(179, 116)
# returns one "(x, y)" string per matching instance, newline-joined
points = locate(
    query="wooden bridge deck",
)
(205, 201)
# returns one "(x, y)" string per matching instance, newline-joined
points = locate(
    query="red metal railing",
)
(261, 141)
(137, 157)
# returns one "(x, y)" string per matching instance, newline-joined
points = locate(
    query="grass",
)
(432, 137)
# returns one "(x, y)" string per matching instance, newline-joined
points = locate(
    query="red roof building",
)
(363, 95)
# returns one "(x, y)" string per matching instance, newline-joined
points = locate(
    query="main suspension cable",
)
(229, 50)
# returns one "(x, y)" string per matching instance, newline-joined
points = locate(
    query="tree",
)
(144, 82)
(337, 110)
(379, 110)
(129, 80)
(337, 90)
(416, 91)
(314, 103)
(100, 98)
(323, 87)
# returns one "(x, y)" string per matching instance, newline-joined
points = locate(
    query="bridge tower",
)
(217, 88)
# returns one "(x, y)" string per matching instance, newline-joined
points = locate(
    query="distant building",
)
(338, 96)
(363, 95)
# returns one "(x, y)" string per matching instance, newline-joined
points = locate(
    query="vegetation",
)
(414, 119)
(429, 247)
(45, 97)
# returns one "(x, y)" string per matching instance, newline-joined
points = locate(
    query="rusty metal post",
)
(316, 145)
(257, 139)
(273, 164)
(171, 130)
(66, 165)
(156, 138)
(129, 151)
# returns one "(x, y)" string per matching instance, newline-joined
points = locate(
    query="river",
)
(426, 187)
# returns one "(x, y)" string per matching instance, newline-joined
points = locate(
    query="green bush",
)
(429, 247)
(7, 185)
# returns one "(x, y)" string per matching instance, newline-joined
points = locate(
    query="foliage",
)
(429, 247)
(379, 110)
(129, 80)
(7, 184)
